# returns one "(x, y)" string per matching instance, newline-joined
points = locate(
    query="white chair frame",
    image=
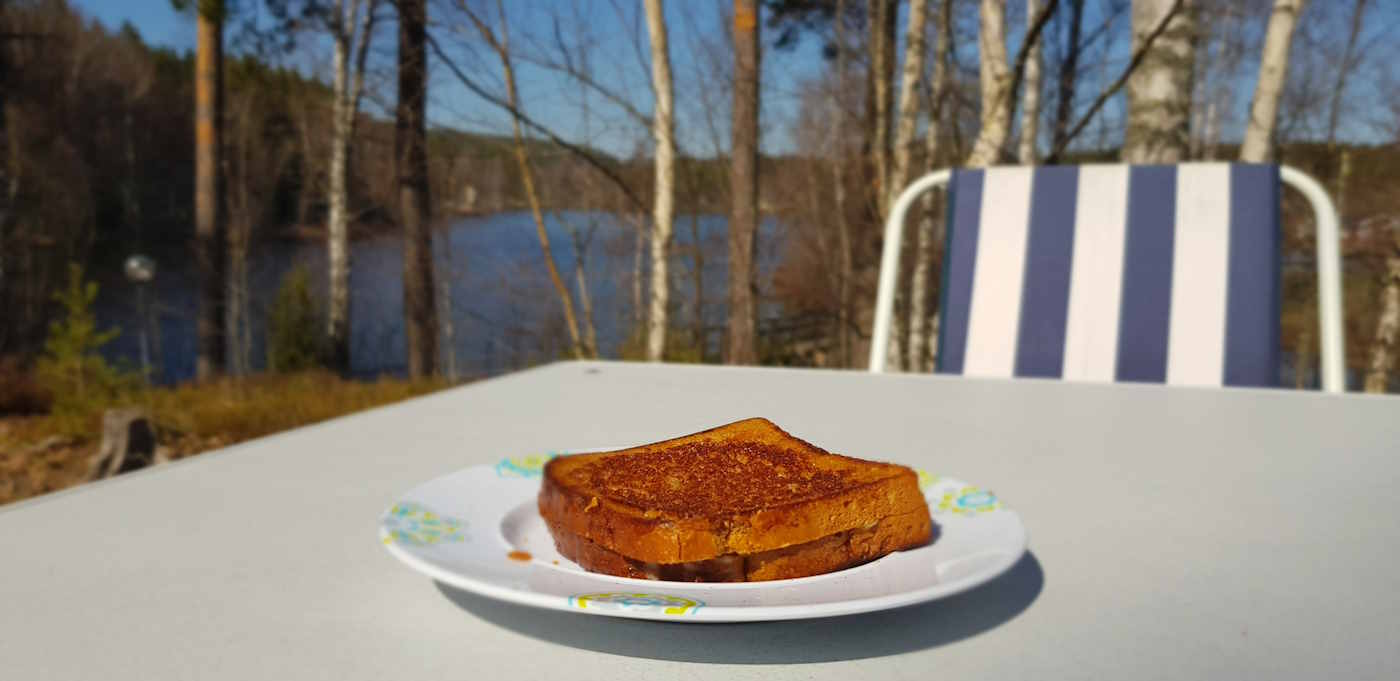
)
(1329, 271)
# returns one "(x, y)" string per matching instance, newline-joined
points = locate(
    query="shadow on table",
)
(850, 637)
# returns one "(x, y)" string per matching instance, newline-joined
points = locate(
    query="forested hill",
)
(102, 125)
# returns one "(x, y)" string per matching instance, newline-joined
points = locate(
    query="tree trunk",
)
(7, 192)
(1069, 74)
(1273, 70)
(410, 146)
(664, 211)
(208, 191)
(638, 249)
(846, 268)
(908, 99)
(1210, 137)
(743, 181)
(897, 174)
(1030, 106)
(128, 443)
(1343, 182)
(306, 173)
(347, 32)
(881, 17)
(697, 274)
(1387, 328)
(449, 331)
(995, 78)
(846, 265)
(337, 233)
(921, 284)
(1159, 89)
(585, 301)
(240, 217)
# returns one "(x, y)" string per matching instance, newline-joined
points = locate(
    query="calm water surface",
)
(504, 311)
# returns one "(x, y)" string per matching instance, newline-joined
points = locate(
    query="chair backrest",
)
(1165, 274)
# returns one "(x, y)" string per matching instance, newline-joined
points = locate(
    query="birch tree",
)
(846, 264)
(579, 239)
(1273, 70)
(906, 120)
(1159, 88)
(1030, 107)
(664, 209)
(999, 82)
(922, 330)
(741, 346)
(350, 24)
(995, 79)
(1143, 46)
(1387, 341)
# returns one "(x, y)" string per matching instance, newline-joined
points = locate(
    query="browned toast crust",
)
(744, 488)
(828, 554)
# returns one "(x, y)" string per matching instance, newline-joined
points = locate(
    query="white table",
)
(1175, 533)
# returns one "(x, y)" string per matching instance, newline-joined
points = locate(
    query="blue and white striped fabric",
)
(1163, 274)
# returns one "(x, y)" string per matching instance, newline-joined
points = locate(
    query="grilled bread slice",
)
(747, 495)
(828, 554)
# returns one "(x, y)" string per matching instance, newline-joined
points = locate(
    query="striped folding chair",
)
(1102, 273)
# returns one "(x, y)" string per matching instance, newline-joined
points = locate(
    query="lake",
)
(504, 311)
(505, 314)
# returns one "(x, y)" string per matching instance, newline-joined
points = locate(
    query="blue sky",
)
(703, 112)
(546, 94)
(157, 21)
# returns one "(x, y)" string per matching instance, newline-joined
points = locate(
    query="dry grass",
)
(193, 418)
(237, 410)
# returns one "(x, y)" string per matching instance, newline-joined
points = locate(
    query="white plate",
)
(461, 528)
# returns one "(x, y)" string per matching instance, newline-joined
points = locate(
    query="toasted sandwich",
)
(741, 502)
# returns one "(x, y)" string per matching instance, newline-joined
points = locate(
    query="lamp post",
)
(141, 270)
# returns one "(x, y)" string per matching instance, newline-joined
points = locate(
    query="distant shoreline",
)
(370, 230)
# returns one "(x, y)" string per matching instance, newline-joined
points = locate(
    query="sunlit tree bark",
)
(1258, 144)
(351, 23)
(210, 232)
(664, 209)
(1159, 89)
(741, 347)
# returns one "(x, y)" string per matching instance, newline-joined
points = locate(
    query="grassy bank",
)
(39, 454)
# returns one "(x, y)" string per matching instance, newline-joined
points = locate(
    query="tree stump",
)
(128, 443)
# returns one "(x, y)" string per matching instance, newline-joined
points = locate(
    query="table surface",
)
(1174, 533)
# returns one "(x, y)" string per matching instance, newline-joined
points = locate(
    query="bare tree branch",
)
(361, 51)
(999, 95)
(1117, 85)
(531, 123)
(1018, 70)
(583, 76)
(501, 45)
